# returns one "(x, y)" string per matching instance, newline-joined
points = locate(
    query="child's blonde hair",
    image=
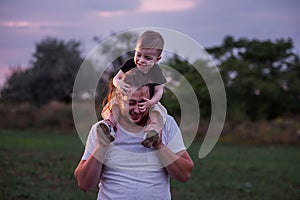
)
(151, 40)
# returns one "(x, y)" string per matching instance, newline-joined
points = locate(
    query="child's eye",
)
(148, 58)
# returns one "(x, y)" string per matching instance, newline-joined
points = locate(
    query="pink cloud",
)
(148, 6)
(16, 24)
(28, 24)
(166, 5)
(111, 13)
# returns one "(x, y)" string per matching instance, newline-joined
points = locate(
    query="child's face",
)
(146, 58)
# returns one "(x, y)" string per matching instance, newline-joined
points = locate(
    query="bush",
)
(53, 116)
(57, 116)
(277, 131)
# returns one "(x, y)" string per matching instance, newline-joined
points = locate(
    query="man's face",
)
(145, 58)
(130, 107)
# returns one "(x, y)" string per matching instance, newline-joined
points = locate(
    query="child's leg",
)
(115, 114)
(110, 115)
(157, 115)
(111, 112)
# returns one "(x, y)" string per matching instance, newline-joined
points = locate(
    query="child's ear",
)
(158, 58)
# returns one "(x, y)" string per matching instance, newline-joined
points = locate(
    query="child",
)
(147, 54)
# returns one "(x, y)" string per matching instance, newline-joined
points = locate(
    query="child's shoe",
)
(150, 138)
(108, 130)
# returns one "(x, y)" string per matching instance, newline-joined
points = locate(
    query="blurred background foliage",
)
(261, 78)
(51, 74)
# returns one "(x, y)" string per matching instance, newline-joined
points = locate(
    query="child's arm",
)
(158, 92)
(119, 83)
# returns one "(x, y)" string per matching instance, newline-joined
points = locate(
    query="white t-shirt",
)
(132, 171)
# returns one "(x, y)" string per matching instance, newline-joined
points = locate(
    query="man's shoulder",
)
(169, 117)
(170, 121)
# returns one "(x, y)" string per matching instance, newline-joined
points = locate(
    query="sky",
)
(24, 23)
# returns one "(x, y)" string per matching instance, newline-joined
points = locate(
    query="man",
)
(124, 168)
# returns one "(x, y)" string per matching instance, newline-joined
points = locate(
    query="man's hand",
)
(158, 144)
(123, 87)
(146, 104)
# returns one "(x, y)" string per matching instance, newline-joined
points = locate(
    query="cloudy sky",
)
(23, 23)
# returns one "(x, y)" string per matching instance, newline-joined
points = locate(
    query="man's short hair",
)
(136, 79)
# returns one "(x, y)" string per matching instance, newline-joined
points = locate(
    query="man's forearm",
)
(88, 171)
(179, 165)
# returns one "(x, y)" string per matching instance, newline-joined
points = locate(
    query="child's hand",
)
(145, 105)
(123, 87)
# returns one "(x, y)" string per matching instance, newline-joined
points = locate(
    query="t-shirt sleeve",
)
(156, 75)
(172, 136)
(91, 143)
(127, 65)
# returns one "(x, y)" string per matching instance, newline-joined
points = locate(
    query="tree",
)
(51, 76)
(188, 71)
(261, 77)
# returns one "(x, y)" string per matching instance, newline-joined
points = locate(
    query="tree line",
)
(261, 77)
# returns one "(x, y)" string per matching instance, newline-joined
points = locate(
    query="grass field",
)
(39, 165)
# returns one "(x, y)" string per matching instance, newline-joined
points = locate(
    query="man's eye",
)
(131, 103)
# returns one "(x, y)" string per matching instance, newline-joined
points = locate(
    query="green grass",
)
(243, 172)
(37, 165)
